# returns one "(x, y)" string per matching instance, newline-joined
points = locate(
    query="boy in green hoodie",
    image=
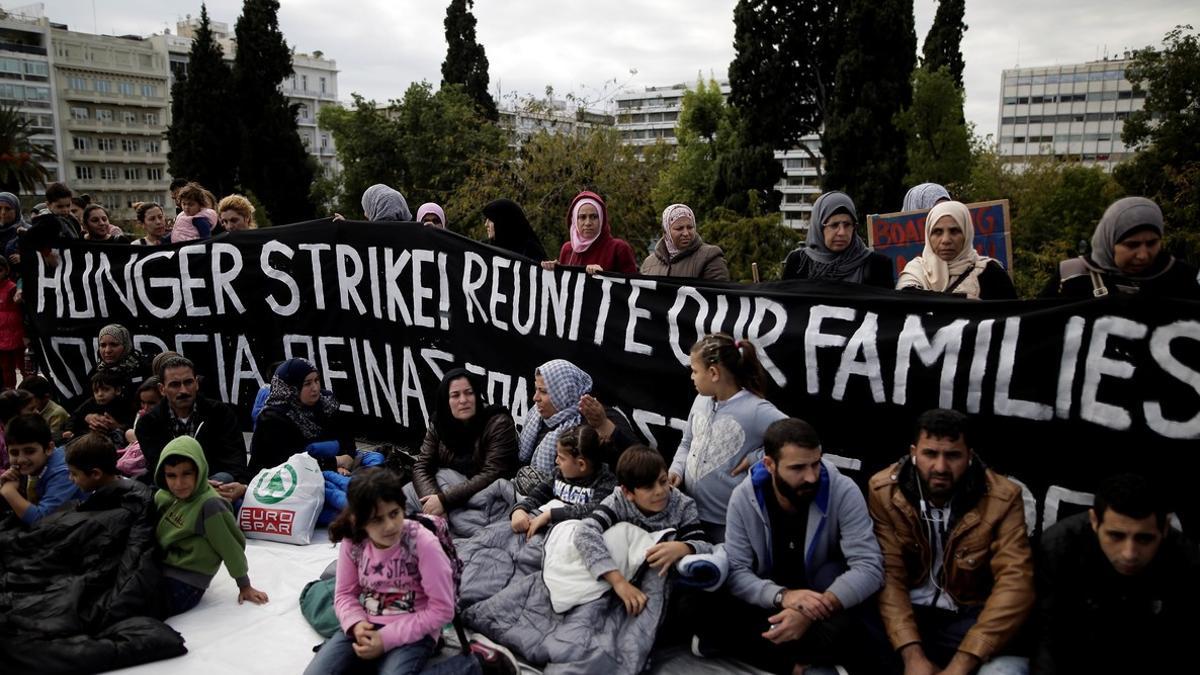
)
(197, 529)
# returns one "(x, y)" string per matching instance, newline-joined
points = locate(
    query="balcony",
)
(111, 98)
(23, 49)
(119, 156)
(99, 184)
(115, 127)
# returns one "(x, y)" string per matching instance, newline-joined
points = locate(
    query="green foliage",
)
(942, 48)
(1054, 205)
(274, 164)
(865, 153)
(939, 142)
(551, 169)
(703, 119)
(422, 145)
(21, 168)
(466, 62)
(1166, 133)
(761, 239)
(203, 135)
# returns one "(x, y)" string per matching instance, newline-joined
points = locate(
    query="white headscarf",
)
(932, 273)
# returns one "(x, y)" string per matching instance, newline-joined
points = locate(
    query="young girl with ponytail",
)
(724, 433)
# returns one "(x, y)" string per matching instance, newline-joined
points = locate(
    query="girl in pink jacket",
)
(198, 217)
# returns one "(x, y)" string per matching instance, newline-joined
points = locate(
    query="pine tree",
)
(865, 153)
(274, 164)
(943, 43)
(203, 135)
(466, 62)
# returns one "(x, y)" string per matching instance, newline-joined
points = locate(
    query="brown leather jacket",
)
(495, 456)
(987, 560)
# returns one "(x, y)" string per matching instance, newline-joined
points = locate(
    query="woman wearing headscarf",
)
(115, 352)
(298, 416)
(1126, 257)
(681, 253)
(431, 214)
(834, 251)
(380, 202)
(924, 197)
(950, 264)
(592, 245)
(561, 399)
(11, 221)
(466, 435)
(509, 229)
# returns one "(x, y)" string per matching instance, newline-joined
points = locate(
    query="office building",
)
(26, 83)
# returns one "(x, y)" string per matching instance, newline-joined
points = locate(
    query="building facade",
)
(527, 118)
(113, 100)
(1074, 112)
(27, 83)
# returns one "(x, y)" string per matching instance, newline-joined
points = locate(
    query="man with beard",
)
(958, 568)
(183, 411)
(801, 556)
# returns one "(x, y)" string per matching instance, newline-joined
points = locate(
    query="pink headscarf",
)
(430, 207)
(578, 243)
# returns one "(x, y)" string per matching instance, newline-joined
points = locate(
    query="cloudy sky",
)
(597, 48)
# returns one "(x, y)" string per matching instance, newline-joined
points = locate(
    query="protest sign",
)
(901, 236)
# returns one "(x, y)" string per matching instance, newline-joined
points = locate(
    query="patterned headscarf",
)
(671, 214)
(924, 196)
(846, 265)
(130, 363)
(1121, 218)
(284, 398)
(381, 202)
(565, 383)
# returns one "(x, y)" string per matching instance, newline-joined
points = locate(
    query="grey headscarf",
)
(1121, 217)
(923, 197)
(381, 202)
(847, 265)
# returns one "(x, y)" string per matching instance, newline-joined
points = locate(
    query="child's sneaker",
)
(493, 660)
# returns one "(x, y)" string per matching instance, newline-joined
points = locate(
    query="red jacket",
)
(12, 330)
(610, 253)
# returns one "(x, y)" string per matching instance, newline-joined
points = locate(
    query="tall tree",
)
(466, 62)
(204, 135)
(865, 153)
(274, 163)
(690, 178)
(943, 42)
(939, 141)
(1166, 133)
(21, 158)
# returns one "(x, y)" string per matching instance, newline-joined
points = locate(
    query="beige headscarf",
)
(934, 274)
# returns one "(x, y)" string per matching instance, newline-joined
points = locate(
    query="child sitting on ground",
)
(395, 586)
(55, 415)
(196, 530)
(581, 479)
(132, 462)
(37, 483)
(13, 402)
(92, 462)
(645, 498)
(106, 402)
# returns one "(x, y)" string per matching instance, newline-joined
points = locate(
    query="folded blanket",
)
(567, 577)
(485, 507)
(705, 571)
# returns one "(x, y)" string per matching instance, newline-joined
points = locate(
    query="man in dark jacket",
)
(184, 412)
(1118, 590)
(958, 570)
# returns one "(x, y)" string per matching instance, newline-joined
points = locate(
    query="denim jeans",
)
(337, 656)
(181, 596)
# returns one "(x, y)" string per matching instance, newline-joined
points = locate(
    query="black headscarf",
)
(513, 231)
(458, 436)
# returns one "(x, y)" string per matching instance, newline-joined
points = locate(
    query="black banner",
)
(1063, 392)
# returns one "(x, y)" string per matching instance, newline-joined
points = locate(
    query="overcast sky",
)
(593, 48)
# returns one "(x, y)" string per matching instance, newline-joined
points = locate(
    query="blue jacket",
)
(841, 553)
(55, 487)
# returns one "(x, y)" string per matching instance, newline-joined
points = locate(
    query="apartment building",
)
(1075, 111)
(555, 116)
(27, 83)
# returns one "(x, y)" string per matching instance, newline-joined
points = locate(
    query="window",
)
(106, 144)
(133, 173)
(302, 112)
(104, 115)
(129, 145)
(79, 113)
(108, 173)
(129, 117)
(37, 69)
(104, 86)
(149, 90)
(151, 119)
(77, 83)
(13, 66)
(322, 85)
(82, 143)
(304, 82)
(324, 141)
(83, 173)
(152, 147)
(126, 88)
(154, 174)
(37, 94)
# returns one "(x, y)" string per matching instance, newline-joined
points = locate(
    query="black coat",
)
(1169, 278)
(81, 591)
(276, 438)
(880, 271)
(218, 435)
